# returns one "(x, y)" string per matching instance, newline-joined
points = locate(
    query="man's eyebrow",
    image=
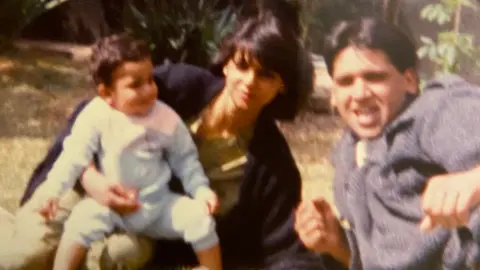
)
(342, 76)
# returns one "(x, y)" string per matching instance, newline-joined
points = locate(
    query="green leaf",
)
(442, 48)
(451, 56)
(422, 51)
(432, 53)
(54, 3)
(424, 13)
(426, 40)
(467, 3)
(433, 13)
(443, 18)
(466, 40)
(447, 37)
(141, 20)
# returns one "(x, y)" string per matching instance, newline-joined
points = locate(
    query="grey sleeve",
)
(450, 137)
(77, 154)
(182, 155)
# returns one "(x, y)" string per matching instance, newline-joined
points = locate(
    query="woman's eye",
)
(242, 64)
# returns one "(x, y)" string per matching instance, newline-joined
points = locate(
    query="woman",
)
(261, 75)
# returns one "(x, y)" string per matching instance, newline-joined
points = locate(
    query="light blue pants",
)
(180, 217)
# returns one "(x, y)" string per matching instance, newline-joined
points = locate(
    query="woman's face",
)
(249, 85)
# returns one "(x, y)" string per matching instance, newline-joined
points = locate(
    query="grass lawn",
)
(36, 92)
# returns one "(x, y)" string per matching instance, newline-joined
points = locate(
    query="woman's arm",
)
(108, 192)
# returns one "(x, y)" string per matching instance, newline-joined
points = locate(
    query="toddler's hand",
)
(49, 209)
(448, 199)
(208, 196)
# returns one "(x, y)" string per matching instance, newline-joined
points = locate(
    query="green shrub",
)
(181, 30)
(15, 15)
(449, 45)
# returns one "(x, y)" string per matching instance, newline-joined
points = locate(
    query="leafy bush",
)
(319, 16)
(15, 15)
(179, 31)
(445, 52)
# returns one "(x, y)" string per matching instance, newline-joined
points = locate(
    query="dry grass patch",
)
(311, 138)
(36, 92)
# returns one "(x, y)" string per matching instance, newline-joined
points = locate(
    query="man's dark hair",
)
(371, 34)
(110, 52)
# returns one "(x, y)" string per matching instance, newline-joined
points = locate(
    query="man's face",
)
(368, 90)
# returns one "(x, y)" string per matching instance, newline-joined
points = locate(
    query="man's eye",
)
(344, 81)
(375, 76)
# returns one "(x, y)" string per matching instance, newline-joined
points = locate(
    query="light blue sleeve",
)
(182, 155)
(78, 150)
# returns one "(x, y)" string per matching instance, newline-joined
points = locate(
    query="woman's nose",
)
(249, 78)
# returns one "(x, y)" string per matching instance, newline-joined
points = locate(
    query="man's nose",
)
(361, 90)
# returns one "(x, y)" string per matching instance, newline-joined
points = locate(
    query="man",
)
(406, 181)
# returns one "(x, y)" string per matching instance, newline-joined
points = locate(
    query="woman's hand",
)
(449, 198)
(111, 194)
(320, 231)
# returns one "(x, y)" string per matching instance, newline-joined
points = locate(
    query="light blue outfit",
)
(140, 152)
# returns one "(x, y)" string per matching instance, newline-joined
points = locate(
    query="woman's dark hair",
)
(286, 11)
(110, 52)
(372, 34)
(277, 47)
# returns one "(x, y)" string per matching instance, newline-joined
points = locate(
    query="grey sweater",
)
(438, 132)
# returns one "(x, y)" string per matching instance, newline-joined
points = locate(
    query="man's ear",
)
(411, 80)
(333, 100)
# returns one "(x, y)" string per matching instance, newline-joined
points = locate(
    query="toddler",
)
(140, 141)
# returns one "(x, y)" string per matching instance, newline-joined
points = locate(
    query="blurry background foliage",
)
(446, 50)
(181, 30)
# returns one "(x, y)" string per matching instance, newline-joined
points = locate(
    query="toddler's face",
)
(133, 90)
